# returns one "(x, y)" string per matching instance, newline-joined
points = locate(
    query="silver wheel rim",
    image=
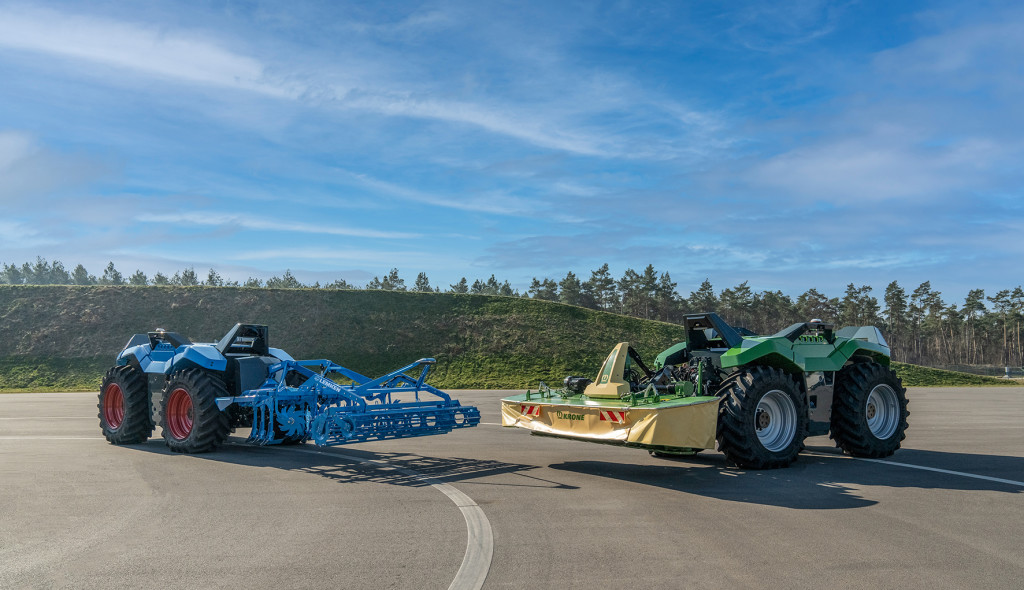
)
(882, 411)
(775, 420)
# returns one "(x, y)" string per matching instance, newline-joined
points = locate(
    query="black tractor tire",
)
(189, 416)
(126, 416)
(869, 410)
(762, 422)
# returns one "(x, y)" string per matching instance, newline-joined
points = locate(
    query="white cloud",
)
(531, 129)
(14, 146)
(141, 48)
(189, 58)
(964, 50)
(555, 117)
(20, 235)
(230, 221)
(413, 24)
(881, 261)
(784, 24)
(872, 169)
(487, 203)
(27, 170)
(404, 259)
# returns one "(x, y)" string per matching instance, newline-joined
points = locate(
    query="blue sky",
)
(794, 144)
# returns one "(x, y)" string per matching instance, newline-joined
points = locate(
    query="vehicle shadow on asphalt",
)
(821, 479)
(349, 465)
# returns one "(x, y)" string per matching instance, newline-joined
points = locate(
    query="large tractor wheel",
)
(190, 418)
(762, 423)
(869, 410)
(125, 413)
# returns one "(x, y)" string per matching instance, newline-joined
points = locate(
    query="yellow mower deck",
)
(676, 423)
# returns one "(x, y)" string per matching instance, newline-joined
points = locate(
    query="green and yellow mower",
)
(756, 397)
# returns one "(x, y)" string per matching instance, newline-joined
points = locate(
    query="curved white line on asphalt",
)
(480, 543)
(923, 468)
(476, 562)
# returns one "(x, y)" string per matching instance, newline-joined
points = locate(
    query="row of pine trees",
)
(920, 326)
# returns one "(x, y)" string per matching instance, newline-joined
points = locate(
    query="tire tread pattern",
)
(210, 426)
(849, 420)
(137, 425)
(737, 436)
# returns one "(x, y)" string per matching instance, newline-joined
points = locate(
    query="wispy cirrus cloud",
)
(495, 204)
(531, 129)
(959, 56)
(273, 223)
(779, 26)
(145, 49)
(551, 121)
(535, 137)
(19, 235)
(14, 146)
(877, 168)
(364, 256)
(932, 122)
(28, 169)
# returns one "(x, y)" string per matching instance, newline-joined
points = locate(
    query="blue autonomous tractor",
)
(199, 393)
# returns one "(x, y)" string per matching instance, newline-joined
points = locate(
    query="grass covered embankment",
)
(64, 338)
(917, 376)
(61, 338)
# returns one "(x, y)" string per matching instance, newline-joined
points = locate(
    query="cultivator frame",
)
(331, 413)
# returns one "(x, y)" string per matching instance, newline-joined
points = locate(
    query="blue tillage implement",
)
(331, 413)
(199, 392)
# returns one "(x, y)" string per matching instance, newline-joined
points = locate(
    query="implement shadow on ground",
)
(349, 465)
(821, 479)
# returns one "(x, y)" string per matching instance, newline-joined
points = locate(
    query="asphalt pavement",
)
(515, 510)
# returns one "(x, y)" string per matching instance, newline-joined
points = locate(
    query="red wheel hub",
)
(179, 414)
(113, 406)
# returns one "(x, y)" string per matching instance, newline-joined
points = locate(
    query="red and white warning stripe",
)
(616, 416)
(530, 410)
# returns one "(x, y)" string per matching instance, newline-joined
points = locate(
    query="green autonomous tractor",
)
(757, 397)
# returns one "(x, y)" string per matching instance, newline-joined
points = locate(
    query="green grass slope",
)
(59, 338)
(917, 376)
(64, 338)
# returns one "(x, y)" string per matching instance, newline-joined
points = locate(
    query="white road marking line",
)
(480, 542)
(51, 438)
(490, 423)
(923, 468)
(52, 418)
(946, 471)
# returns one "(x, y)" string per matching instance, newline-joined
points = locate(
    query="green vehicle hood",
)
(810, 352)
